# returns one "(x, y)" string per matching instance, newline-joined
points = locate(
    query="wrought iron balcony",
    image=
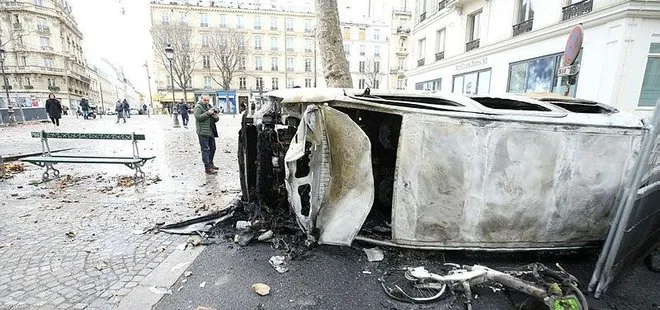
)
(422, 17)
(441, 5)
(577, 9)
(523, 27)
(472, 45)
(420, 62)
(440, 55)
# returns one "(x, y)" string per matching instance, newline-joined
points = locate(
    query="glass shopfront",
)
(540, 75)
(472, 83)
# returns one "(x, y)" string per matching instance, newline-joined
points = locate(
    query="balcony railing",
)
(402, 50)
(472, 45)
(523, 27)
(577, 9)
(422, 17)
(440, 55)
(18, 26)
(420, 62)
(402, 30)
(441, 5)
(43, 29)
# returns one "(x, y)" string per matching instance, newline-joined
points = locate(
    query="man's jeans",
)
(85, 113)
(120, 115)
(208, 150)
(185, 118)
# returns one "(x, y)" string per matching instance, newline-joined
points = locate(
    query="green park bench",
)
(47, 159)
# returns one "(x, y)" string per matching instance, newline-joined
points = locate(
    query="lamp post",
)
(10, 109)
(169, 53)
(151, 101)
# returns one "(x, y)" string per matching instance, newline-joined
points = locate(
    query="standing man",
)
(205, 119)
(54, 109)
(119, 109)
(127, 108)
(182, 107)
(84, 106)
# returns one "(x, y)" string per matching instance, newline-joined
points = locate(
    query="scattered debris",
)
(366, 272)
(244, 238)
(71, 234)
(203, 284)
(14, 194)
(203, 308)
(24, 215)
(374, 254)
(160, 290)
(200, 224)
(653, 260)
(278, 263)
(194, 240)
(102, 266)
(261, 289)
(266, 236)
(160, 249)
(126, 181)
(187, 274)
(180, 288)
(5, 245)
(10, 169)
(243, 225)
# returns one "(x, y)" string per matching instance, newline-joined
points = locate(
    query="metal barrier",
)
(635, 230)
(30, 114)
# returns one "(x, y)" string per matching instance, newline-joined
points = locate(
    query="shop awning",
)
(167, 97)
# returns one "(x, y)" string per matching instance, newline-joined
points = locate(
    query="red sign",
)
(573, 45)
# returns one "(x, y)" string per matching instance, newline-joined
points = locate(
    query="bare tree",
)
(186, 52)
(372, 74)
(227, 53)
(331, 47)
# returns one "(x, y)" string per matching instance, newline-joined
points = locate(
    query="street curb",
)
(163, 276)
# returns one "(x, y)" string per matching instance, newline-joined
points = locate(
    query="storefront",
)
(432, 85)
(226, 101)
(542, 74)
(472, 83)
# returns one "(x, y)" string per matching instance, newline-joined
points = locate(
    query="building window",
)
(242, 83)
(290, 83)
(274, 44)
(308, 83)
(308, 25)
(308, 65)
(205, 40)
(257, 43)
(260, 83)
(289, 64)
(308, 45)
(257, 23)
(241, 63)
(206, 61)
(525, 11)
(432, 85)
(363, 50)
(421, 52)
(376, 84)
(440, 44)
(274, 64)
(474, 21)
(51, 82)
(402, 64)
(48, 62)
(39, 2)
(27, 81)
(361, 83)
(362, 35)
(208, 82)
(240, 22)
(289, 24)
(257, 63)
(273, 23)
(204, 20)
(223, 21)
(472, 83)
(41, 24)
(361, 66)
(400, 83)
(376, 34)
(347, 49)
(24, 60)
(274, 83)
(165, 18)
(346, 33)
(289, 44)
(541, 75)
(376, 67)
(376, 51)
(45, 43)
(651, 85)
(184, 18)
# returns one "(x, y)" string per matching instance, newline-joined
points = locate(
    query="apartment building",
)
(43, 54)
(480, 46)
(399, 44)
(280, 51)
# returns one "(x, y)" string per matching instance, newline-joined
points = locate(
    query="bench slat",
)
(81, 160)
(88, 136)
(84, 156)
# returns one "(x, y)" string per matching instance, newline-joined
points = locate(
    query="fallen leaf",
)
(187, 273)
(71, 234)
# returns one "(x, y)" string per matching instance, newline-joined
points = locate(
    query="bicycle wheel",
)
(400, 286)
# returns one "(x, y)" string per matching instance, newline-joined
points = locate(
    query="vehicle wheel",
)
(247, 140)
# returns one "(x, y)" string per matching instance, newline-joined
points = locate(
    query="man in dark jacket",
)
(205, 119)
(119, 109)
(183, 110)
(54, 109)
(127, 108)
(84, 106)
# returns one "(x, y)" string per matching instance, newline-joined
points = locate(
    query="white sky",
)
(123, 39)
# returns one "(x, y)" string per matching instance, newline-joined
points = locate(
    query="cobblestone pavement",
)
(76, 242)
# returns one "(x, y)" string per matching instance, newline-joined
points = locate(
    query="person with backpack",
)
(127, 108)
(119, 108)
(84, 106)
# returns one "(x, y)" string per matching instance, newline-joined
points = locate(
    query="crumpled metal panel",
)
(340, 178)
(486, 183)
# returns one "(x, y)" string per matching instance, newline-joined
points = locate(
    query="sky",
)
(122, 38)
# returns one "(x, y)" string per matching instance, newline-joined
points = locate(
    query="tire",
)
(247, 140)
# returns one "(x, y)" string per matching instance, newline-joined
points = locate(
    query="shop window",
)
(432, 85)
(540, 75)
(472, 83)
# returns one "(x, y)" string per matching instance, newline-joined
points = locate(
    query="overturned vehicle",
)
(439, 171)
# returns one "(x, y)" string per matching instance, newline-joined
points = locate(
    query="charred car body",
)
(439, 171)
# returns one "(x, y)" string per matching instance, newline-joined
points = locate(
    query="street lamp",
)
(151, 101)
(169, 53)
(10, 109)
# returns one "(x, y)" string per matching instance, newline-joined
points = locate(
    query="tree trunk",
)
(185, 95)
(331, 46)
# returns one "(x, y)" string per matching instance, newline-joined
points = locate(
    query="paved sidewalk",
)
(75, 243)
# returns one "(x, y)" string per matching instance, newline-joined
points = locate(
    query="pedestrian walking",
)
(183, 110)
(119, 108)
(84, 106)
(144, 109)
(127, 108)
(54, 109)
(205, 119)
